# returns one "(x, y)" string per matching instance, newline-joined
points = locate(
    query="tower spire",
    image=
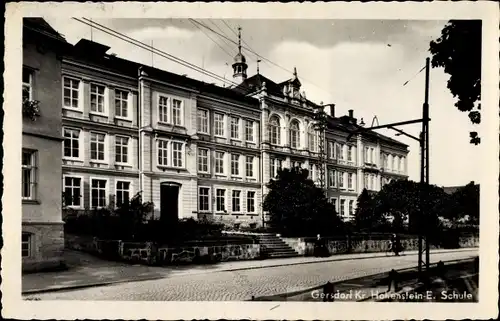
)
(239, 39)
(239, 66)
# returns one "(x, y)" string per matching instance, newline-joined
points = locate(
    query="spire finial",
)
(239, 39)
(295, 72)
(258, 60)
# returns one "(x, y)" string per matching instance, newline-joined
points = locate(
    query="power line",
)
(223, 40)
(406, 82)
(222, 48)
(157, 51)
(262, 57)
(230, 28)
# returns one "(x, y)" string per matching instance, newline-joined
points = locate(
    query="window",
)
(249, 131)
(122, 193)
(331, 150)
(220, 199)
(235, 164)
(339, 151)
(219, 124)
(98, 193)
(235, 128)
(177, 112)
(203, 160)
(351, 208)
(276, 165)
(71, 143)
(350, 181)
(70, 92)
(203, 121)
(97, 98)
(236, 201)
(250, 202)
(349, 153)
(219, 162)
(27, 84)
(386, 163)
(334, 203)
(366, 155)
(163, 109)
(372, 183)
(392, 163)
(274, 131)
(177, 160)
(372, 158)
(401, 167)
(332, 182)
(121, 149)
(204, 199)
(97, 142)
(294, 135)
(342, 207)
(26, 245)
(312, 141)
(249, 166)
(121, 103)
(341, 180)
(73, 191)
(163, 153)
(28, 166)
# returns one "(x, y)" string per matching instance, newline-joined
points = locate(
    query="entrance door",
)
(169, 203)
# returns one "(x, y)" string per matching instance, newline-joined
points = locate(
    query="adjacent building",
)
(42, 225)
(199, 150)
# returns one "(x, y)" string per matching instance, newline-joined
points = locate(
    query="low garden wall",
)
(305, 246)
(150, 253)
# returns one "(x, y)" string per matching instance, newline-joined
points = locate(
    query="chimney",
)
(351, 113)
(332, 110)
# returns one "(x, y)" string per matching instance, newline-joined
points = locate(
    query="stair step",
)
(274, 255)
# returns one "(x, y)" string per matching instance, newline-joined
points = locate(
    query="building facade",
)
(199, 150)
(42, 225)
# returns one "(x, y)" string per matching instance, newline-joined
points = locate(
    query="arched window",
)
(274, 130)
(294, 134)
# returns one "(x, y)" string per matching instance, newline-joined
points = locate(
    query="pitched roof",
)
(81, 51)
(41, 26)
(345, 125)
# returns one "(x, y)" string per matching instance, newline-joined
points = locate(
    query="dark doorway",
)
(169, 203)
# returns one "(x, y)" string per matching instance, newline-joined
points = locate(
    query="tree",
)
(297, 206)
(401, 201)
(458, 51)
(463, 205)
(365, 217)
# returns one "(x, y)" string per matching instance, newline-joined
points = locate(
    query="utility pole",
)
(424, 179)
(423, 234)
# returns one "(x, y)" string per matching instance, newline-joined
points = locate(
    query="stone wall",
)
(305, 246)
(46, 246)
(150, 253)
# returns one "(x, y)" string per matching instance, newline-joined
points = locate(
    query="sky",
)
(355, 64)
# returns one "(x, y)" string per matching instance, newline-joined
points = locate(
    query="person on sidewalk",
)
(395, 244)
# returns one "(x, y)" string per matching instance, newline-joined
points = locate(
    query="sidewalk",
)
(87, 271)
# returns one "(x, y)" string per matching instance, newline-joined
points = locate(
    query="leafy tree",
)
(365, 217)
(131, 216)
(298, 207)
(401, 201)
(463, 205)
(458, 51)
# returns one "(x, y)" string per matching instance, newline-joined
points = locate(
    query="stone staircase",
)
(274, 247)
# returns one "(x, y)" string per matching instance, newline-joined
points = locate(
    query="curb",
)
(152, 278)
(333, 259)
(298, 292)
(89, 285)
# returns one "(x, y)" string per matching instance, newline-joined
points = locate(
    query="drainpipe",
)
(139, 124)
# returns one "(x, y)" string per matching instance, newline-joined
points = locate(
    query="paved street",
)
(243, 284)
